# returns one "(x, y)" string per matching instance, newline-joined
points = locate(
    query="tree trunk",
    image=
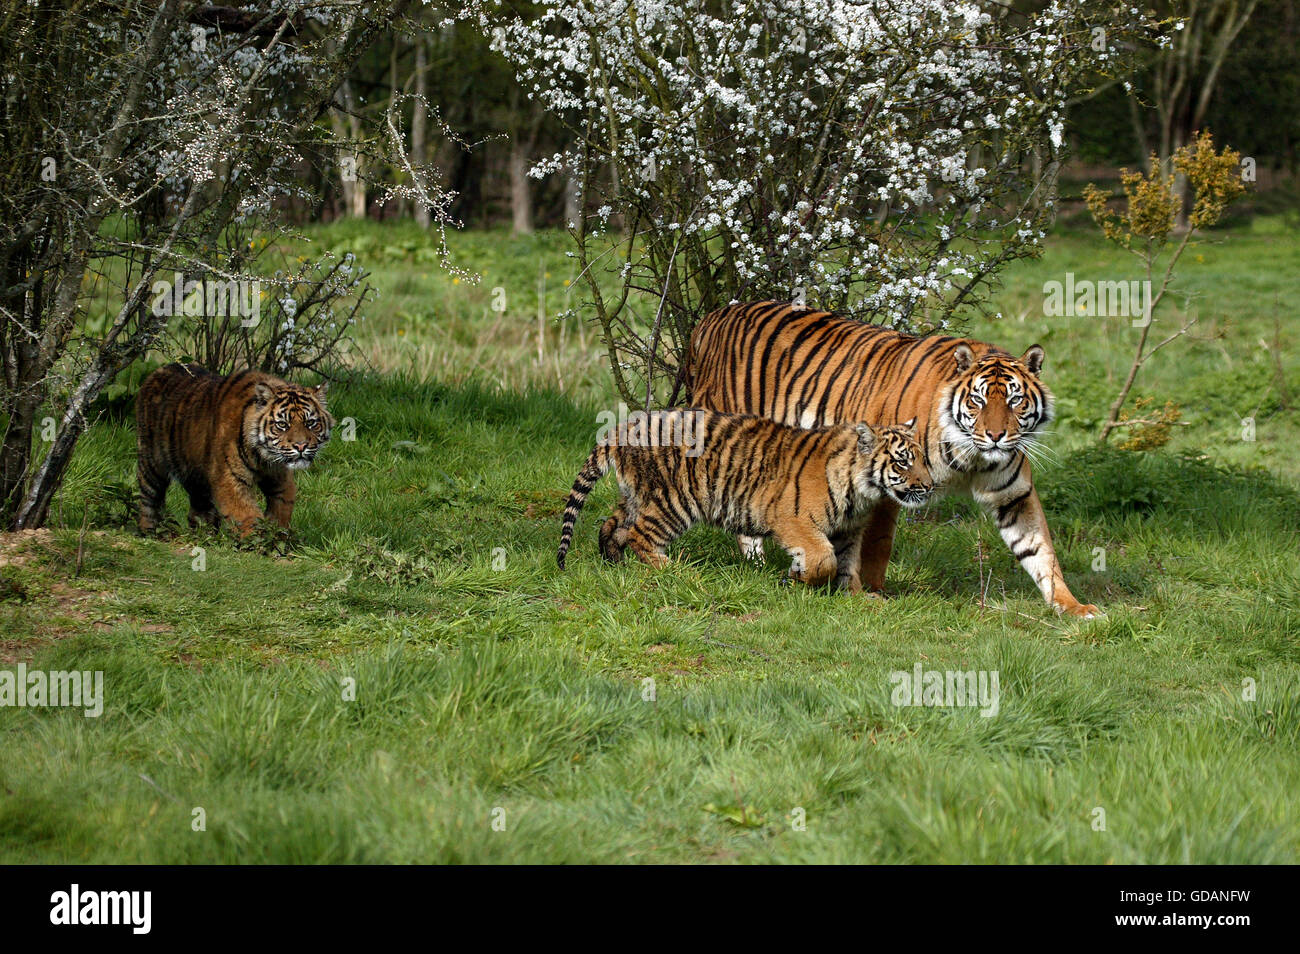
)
(1186, 75)
(348, 127)
(1140, 132)
(29, 359)
(15, 454)
(111, 356)
(24, 392)
(521, 197)
(419, 125)
(572, 200)
(35, 506)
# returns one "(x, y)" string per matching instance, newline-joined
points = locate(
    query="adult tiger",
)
(223, 439)
(978, 407)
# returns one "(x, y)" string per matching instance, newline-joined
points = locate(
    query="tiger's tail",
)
(595, 468)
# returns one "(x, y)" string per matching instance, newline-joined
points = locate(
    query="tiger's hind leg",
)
(203, 512)
(611, 552)
(751, 548)
(613, 533)
(646, 546)
(153, 496)
(848, 550)
(203, 516)
(650, 532)
(877, 545)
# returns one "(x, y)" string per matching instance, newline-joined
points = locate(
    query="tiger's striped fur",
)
(979, 409)
(223, 439)
(810, 489)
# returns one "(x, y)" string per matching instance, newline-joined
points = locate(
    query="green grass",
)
(488, 684)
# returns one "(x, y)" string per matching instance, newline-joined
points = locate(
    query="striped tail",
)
(594, 469)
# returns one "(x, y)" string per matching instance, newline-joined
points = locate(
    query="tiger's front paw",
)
(1080, 610)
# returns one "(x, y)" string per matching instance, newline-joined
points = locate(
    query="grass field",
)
(420, 683)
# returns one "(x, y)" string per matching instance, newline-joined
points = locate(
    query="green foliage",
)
(522, 689)
(1102, 482)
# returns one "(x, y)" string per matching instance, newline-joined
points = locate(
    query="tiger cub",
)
(811, 489)
(223, 439)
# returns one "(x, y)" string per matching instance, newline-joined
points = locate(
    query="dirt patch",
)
(58, 608)
(696, 666)
(71, 601)
(21, 546)
(14, 651)
(58, 601)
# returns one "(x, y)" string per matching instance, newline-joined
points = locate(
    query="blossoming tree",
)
(880, 157)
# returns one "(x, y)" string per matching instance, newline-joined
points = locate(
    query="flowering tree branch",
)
(871, 157)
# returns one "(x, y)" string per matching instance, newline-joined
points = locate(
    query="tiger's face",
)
(995, 406)
(895, 463)
(288, 425)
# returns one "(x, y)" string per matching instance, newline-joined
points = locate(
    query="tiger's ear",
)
(321, 390)
(909, 426)
(866, 437)
(1033, 358)
(964, 357)
(263, 393)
